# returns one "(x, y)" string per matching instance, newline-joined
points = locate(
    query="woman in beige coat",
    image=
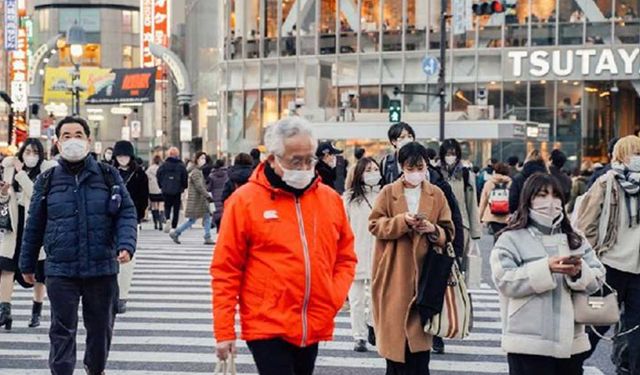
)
(409, 217)
(19, 174)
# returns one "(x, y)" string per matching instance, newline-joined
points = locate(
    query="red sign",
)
(155, 29)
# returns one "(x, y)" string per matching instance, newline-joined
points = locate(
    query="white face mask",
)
(123, 160)
(74, 149)
(297, 179)
(108, 156)
(415, 178)
(634, 163)
(548, 206)
(31, 161)
(403, 142)
(371, 178)
(451, 160)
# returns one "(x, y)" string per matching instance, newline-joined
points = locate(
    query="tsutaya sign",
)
(566, 63)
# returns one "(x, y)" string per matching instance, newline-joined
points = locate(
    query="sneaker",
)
(174, 236)
(361, 346)
(209, 241)
(122, 306)
(438, 345)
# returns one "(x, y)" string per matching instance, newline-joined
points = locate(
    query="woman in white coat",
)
(20, 173)
(358, 200)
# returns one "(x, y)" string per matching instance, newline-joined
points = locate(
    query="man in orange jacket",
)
(285, 255)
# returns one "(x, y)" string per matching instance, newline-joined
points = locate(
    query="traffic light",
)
(487, 8)
(395, 110)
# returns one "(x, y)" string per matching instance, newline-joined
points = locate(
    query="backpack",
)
(499, 199)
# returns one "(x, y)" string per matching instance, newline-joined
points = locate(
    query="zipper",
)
(307, 269)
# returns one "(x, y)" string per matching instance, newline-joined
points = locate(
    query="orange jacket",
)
(287, 262)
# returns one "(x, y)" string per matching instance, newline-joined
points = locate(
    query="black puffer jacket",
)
(238, 176)
(137, 184)
(530, 168)
(327, 174)
(173, 176)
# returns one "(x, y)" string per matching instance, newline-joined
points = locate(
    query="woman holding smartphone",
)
(410, 217)
(537, 263)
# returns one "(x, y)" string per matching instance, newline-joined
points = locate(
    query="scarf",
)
(630, 183)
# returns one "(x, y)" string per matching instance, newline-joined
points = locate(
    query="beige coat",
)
(484, 211)
(8, 245)
(397, 264)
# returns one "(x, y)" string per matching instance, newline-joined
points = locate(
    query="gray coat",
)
(198, 197)
(535, 304)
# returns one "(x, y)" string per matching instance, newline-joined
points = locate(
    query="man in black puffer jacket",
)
(173, 180)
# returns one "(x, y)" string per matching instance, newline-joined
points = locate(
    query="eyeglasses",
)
(299, 163)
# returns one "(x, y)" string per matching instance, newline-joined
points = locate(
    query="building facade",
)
(571, 67)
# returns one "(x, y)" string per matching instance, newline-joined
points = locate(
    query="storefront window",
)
(369, 99)
(462, 95)
(515, 100)
(328, 38)
(307, 16)
(289, 30)
(392, 25)
(598, 119)
(416, 25)
(600, 32)
(269, 107)
(349, 24)
(348, 103)
(286, 97)
(627, 23)
(235, 122)
(370, 25)
(541, 102)
(543, 22)
(568, 116)
(415, 103)
(516, 19)
(252, 128)
(270, 44)
(571, 23)
(252, 28)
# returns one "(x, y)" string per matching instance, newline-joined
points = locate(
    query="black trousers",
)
(172, 203)
(415, 364)
(525, 364)
(99, 296)
(278, 357)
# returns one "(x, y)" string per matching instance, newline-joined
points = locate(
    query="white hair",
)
(284, 129)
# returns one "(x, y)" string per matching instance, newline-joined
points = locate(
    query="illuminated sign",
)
(10, 25)
(19, 68)
(155, 29)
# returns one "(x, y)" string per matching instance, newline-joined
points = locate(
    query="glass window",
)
(391, 70)
(515, 100)
(349, 24)
(269, 107)
(348, 71)
(489, 94)
(369, 99)
(252, 128)
(135, 22)
(517, 19)
(235, 121)
(308, 26)
(271, 28)
(462, 96)
(414, 103)
(598, 118)
(252, 27)
(541, 104)
(627, 24)
(370, 25)
(88, 18)
(387, 94)
(489, 32)
(570, 23)
(127, 21)
(600, 32)
(392, 25)
(289, 29)
(543, 22)
(348, 102)
(568, 116)
(327, 27)
(43, 20)
(286, 97)
(127, 57)
(416, 25)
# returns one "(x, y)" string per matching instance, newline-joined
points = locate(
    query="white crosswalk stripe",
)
(167, 328)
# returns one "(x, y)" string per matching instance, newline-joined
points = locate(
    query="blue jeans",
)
(206, 221)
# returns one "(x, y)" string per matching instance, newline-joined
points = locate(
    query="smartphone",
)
(573, 259)
(420, 217)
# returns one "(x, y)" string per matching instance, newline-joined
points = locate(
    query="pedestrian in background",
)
(399, 135)
(239, 174)
(535, 163)
(358, 201)
(173, 181)
(558, 161)
(217, 180)
(491, 210)
(538, 262)
(609, 216)
(155, 193)
(599, 172)
(409, 218)
(107, 156)
(327, 163)
(513, 165)
(18, 177)
(137, 184)
(579, 184)
(285, 255)
(255, 155)
(83, 215)
(198, 199)
(358, 154)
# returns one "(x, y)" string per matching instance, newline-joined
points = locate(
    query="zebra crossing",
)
(168, 330)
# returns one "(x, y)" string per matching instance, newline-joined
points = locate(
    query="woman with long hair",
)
(538, 263)
(358, 201)
(155, 193)
(410, 217)
(16, 188)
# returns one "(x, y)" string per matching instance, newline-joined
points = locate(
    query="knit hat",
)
(123, 148)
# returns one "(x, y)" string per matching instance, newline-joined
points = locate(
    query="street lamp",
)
(76, 39)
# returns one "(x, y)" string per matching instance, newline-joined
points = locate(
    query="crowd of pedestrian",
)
(299, 232)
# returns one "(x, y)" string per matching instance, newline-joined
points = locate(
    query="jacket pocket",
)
(526, 315)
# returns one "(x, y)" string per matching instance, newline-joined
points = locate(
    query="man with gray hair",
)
(285, 255)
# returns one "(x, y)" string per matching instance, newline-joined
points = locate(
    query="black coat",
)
(517, 183)
(327, 174)
(238, 176)
(137, 184)
(173, 177)
(563, 179)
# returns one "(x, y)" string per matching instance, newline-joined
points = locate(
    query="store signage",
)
(185, 130)
(19, 68)
(11, 25)
(575, 63)
(35, 126)
(136, 129)
(155, 29)
(126, 86)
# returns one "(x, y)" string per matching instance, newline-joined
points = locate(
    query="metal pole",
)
(441, 75)
(76, 90)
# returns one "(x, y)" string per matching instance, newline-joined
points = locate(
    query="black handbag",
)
(5, 218)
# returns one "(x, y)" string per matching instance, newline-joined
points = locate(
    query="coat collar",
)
(426, 198)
